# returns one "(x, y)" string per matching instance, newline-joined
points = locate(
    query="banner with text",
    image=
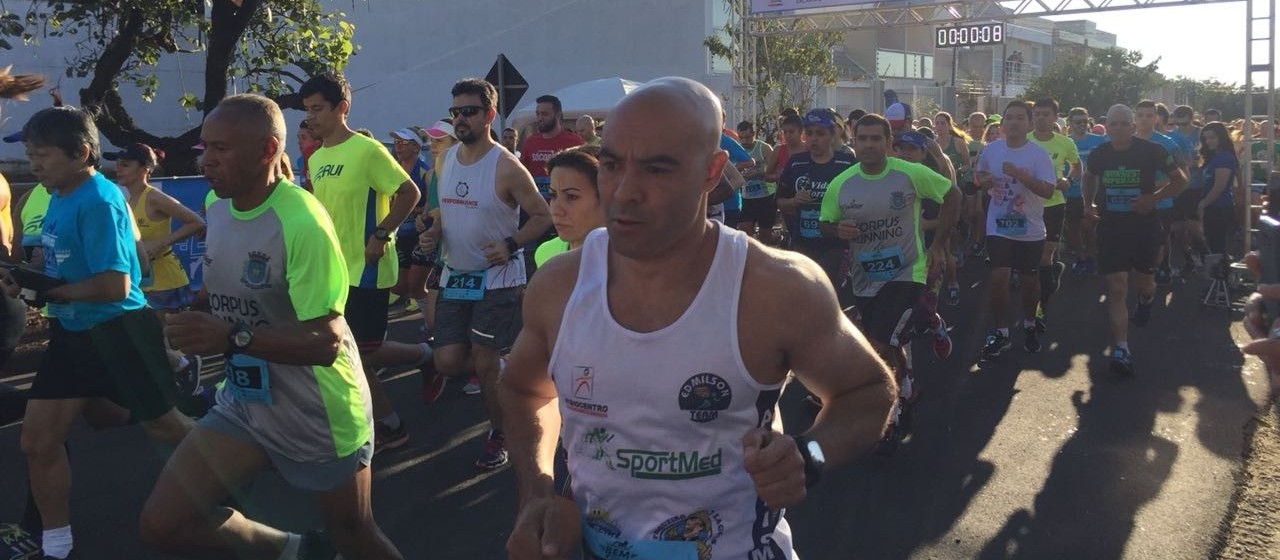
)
(771, 6)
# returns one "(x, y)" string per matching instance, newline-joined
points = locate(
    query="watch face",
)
(815, 451)
(243, 338)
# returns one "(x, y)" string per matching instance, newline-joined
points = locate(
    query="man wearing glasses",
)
(368, 195)
(1080, 237)
(483, 188)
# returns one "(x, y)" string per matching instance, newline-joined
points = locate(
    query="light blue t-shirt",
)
(1174, 150)
(1188, 146)
(86, 232)
(736, 154)
(1084, 146)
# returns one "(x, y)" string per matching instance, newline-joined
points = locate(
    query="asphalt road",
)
(1036, 456)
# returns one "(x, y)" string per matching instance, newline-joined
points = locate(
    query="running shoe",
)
(1164, 276)
(942, 344)
(1121, 361)
(953, 294)
(495, 452)
(472, 387)
(1041, 324)
(392, 298)
(996, 344)
(432, 386)
(386, 438)
(412, 306)
(1032, 341)
(1141, 314)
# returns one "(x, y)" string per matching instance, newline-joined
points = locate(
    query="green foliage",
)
(281, 34)
(789, 69)
(1104, 78)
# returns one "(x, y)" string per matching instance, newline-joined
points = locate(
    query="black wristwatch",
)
(239, 339)
(381, 234)
(512, 246)
(814, 460)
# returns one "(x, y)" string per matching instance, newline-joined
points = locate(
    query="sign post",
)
(511, 87)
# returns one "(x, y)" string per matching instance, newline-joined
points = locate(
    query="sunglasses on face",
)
(465, 111)
(400, 142)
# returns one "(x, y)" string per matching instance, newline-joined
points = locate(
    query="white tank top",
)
(473, 216)
(653, 422)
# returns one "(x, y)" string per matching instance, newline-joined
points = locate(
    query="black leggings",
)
(1219, 224)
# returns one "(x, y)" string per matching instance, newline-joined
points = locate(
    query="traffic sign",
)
(511, 85)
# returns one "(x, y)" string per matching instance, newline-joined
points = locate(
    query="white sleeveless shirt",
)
(473, 215)
(653, 422)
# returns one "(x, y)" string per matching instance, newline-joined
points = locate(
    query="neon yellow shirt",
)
(551, 248)
(354, 182)
(1062, 150)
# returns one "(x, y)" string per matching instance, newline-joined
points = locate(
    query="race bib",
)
(604, 544)
(1121, 200)
(465, 286)
(248, 379)
(1011, 224)
(809, 223)
(882, 265)
(755, 188)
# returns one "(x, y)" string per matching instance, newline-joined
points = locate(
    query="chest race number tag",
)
(881, 265)
(1012, 223)
(755, 188)
(465, 286)
(809, 223)
(1121, 200)
(248, 379)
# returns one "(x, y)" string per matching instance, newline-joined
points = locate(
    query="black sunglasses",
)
(465, 111)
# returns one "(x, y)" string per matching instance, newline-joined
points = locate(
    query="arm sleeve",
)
(830, 210)
(928, 183)
(315, 269)
(385, 173)
(736, 152)
(107, 235)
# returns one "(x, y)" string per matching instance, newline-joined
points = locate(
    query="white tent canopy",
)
(593, 97)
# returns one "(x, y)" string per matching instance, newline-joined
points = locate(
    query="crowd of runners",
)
(660, 272)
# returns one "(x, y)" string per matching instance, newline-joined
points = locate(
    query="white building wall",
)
(412, 51)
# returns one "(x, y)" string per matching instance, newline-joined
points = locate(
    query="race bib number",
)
(1013, 224)
(882, 265)
(465, 286)
(809, 223)
(603, 544)
(1121, 200)
(248, 379)
(755, 188)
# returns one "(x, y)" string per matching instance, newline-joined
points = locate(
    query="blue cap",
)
(820, 117)
(913, 138)
(12, 138)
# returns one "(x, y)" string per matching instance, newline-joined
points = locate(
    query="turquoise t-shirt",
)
(1175, 151)
(1084, 146)
(87, 232)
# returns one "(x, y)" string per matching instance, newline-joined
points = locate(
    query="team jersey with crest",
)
(653, 422)
(886, 207)
(278, 266)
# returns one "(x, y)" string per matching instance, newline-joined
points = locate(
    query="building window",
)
(898, 64)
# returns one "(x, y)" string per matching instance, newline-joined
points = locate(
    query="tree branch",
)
(228, 22)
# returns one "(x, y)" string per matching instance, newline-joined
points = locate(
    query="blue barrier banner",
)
(190, 191)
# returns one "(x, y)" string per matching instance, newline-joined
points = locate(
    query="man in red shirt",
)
(550, 138)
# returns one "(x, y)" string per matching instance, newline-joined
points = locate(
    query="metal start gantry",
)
(849, 15)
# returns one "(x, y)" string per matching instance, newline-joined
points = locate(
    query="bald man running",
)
(666, 406)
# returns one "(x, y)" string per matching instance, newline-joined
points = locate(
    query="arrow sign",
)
(511, 85)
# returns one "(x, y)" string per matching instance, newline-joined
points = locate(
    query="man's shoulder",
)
(772, 272)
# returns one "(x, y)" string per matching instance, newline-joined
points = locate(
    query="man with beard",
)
(550, 138)
(483, 188)
(667, 405)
